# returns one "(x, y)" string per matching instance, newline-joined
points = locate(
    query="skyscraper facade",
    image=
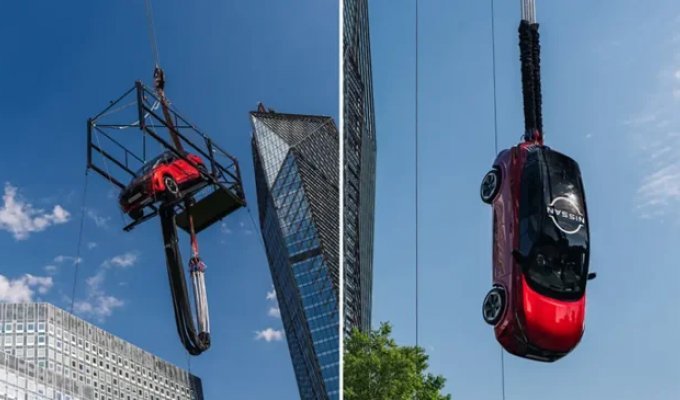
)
(47, 353)
(297, 176)
(359, 166)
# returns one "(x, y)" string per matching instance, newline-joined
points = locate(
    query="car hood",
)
(552, 324)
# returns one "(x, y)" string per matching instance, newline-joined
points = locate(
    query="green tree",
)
(376, 368)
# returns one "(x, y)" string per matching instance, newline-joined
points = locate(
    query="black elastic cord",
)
(526, 59)
(536, 57)
(531, 78)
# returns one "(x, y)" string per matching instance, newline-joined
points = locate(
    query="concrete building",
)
(48, 353)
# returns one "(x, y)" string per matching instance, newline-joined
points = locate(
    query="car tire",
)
(493, 306)
(490, 186)
(136, 214)
(171, 187)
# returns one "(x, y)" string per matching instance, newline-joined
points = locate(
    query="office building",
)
(48, 353)
(296, 174)
(359, 166)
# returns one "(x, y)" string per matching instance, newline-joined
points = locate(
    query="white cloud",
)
(225, 229)
(98, 303)
(271, 295)
(91, 245)
(100, 307)
(21, 290)
(269, 335)
(99, 221)
(244, 229)
(122, 261)
(274, 312)
(50, 269)
(21, 219)
(655, 132)
(62, 259)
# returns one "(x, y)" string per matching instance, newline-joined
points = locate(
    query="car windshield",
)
(553, 225)
(153, 163)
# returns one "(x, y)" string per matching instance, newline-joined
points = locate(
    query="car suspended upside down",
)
(540, 251)
(161, 178)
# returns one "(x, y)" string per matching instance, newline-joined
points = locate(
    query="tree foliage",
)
(376, 368)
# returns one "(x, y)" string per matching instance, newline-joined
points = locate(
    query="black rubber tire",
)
(171, 187)
(136, 214)
(491, 184)
(493, 306)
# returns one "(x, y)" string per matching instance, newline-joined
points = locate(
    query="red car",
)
(159, 179)
(540, 252)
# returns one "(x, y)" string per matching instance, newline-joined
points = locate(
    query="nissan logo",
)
(565, 215)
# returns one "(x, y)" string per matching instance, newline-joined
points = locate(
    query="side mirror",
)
(592, 275)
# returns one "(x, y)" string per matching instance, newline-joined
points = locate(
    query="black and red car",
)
(161, 178)
(540, 251)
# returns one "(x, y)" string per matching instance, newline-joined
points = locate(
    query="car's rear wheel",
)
(490, 186)
(493, 306)
(171, 187)
(136, 214)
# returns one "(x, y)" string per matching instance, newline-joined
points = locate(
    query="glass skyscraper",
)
(359, 166)
(296, 174)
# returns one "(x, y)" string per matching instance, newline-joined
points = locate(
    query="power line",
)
(493, 55)
(80, 241)
(495, 135)
(416, 177)
(503, 372)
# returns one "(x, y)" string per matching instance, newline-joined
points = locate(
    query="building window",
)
(41, 327)
(8, 327)
(20, 327)
(41, 340)
(30, 327)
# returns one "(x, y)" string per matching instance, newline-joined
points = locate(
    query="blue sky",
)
(61, 64)
(611, 85)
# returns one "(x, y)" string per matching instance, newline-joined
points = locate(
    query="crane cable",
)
(495, 135)
(195, 344)
(152, 33)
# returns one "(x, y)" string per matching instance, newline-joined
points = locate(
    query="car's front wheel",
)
(490, 186)
(171, 187)
(493, 306)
